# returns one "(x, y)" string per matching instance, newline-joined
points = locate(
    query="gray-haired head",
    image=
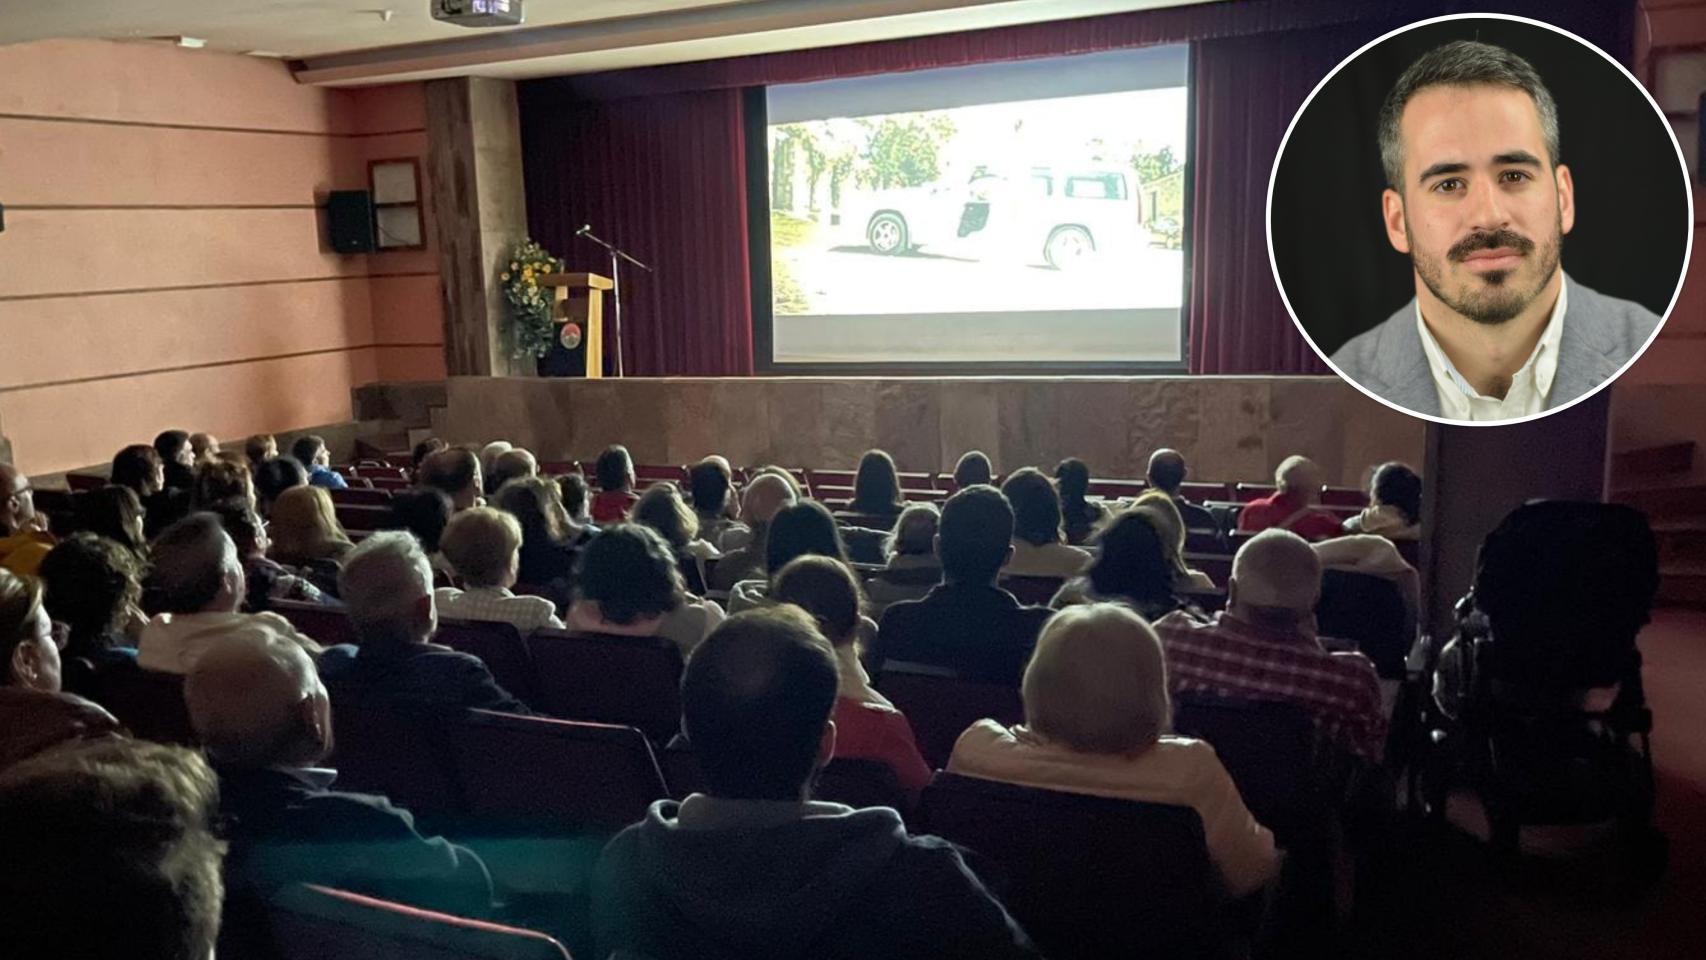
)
(386, 582)
(1462, 63)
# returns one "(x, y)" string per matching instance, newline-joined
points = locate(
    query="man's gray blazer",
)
(1601, 333)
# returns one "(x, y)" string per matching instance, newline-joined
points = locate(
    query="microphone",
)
(585, 229)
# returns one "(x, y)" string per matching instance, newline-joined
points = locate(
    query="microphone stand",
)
(617, 255)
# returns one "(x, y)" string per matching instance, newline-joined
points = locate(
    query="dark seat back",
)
(859, 782)
(1032, 591)
(149, 703)
(393, 749)
(313, 923)
(1271, 752)
(1371, 613)
(326, 624)
(940, 706)
(502, 648)
(1086, 876)
(632, 681)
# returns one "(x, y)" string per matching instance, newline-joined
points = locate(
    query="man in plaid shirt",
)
(1264, 647)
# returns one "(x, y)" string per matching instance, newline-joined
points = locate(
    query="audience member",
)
(311, 452)
(615, 472)
(24, 539)
(489, 455)
(386, 584)
(194, 589)
(1170, 524)
(752, 867)
(175, 452)
(910, 568)
(663, 509)
(116, 513)
(110, 854)
(274, 477)
(802, 529)
(266, 580)
(94, 587)
(203, 447)
(743, 558)
(1097, 717)
(218, 482)
(260, 448)
(483, 546)
(1131, 567)
(140, 468)
(424, 449)
(1395, 505)
(711, 483)
(512, 464)
(628, 583)
(1292, 506)
(972, 469)
(867, 726)
(549, 540)
(1078, 514)
(455, 471)
(876, 488)
(35, 713)
(577, 499)
(1263, 646)
(790, 477)
(1039, 542)
(424, 512)
(264, 717)
(306, 534)
(967, 623)
(1167, 471)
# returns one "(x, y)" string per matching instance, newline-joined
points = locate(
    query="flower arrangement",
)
(529, 299)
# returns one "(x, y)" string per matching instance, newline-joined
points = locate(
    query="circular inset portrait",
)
(1479, 219)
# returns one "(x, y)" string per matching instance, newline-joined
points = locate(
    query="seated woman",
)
(306, 534)
(35, 713)
(116, 513)
(867, 726)
(218, 482)
(801, 529)
(424, 511)
(1039, 544)
(1131, 567)
(1097, 715)
(94, 587)
(1171, 523)
(266, 580)
(876, 489)
(483, 545)
(912, 567)
(1395, 504)
(663, 509)
(615, 472)
(628, 583)
(548, 551)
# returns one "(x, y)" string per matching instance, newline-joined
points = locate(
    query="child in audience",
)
(663, 509)
(483, 545)
(911, 568)
(616, 496)
(628, 583)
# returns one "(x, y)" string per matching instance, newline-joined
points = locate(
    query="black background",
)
(1337, 268)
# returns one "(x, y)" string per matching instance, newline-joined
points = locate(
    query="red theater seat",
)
(633, 681)
(940, 706)
(319, 923)
(502, 648)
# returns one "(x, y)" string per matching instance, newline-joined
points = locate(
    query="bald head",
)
(1275, 570)
(764, 497)
(255, 699)
(1166, 470)
(17, 503)
(1299, 476)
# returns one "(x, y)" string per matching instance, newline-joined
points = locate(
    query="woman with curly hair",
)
(627, 582)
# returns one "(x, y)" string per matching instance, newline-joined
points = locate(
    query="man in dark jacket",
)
(968, 624)
(753, 867)
(386, 583)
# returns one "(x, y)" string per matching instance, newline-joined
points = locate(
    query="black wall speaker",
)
(349, 220)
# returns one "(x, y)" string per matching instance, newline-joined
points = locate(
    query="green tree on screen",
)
(904, 152)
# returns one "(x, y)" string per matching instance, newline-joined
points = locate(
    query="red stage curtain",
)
(663, 178)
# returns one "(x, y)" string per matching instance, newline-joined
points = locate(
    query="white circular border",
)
(1687, 253)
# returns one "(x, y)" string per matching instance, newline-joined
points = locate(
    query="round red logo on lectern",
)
(570, 338)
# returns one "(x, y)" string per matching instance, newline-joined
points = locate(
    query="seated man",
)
(24, 539)
(509, 465)
(1263, 647)
(753, 867)
(967, 623)
(386, 582)
(743, 557)
(710, 482)
(1297, 491)
(456, 471)
(311, 452)
(265, 720)
(110, 854)
(196, 585)
(175, 452)
(483, 546)
(1167, 471)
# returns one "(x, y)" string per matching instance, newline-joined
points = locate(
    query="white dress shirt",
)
(1529, 387)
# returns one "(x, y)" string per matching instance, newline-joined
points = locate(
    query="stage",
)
(1229, 428)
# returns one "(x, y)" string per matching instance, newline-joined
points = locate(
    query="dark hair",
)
(1131, 563)
(452, 470)
(613, 468)
(426, 448)
(89, 582)
(662, 508)
(630, 572)
(255, 448)
(135, 466)
(278, 475)
(512, 464)
(536, 504)
(709, 481)
(802, 529)
(754, 700)
(575, 491)
(170, 443)
(972, 469)
(307, 448)
(241, 524)
(825, 588)
(1036, 507)
(974, 535)
(1166, 470)
(1396, 485)
(113, 512)
(1072, 480)
(109, 842)
(186, 575)
(218, 481)
(423, 511)
(876, 487)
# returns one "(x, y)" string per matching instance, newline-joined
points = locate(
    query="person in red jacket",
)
(1293, 504)
(615, 472)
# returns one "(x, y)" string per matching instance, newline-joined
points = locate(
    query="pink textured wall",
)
(164, 260)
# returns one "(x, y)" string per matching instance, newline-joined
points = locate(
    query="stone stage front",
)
(1230, 428)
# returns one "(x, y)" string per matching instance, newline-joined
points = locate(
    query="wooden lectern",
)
(577, 315)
